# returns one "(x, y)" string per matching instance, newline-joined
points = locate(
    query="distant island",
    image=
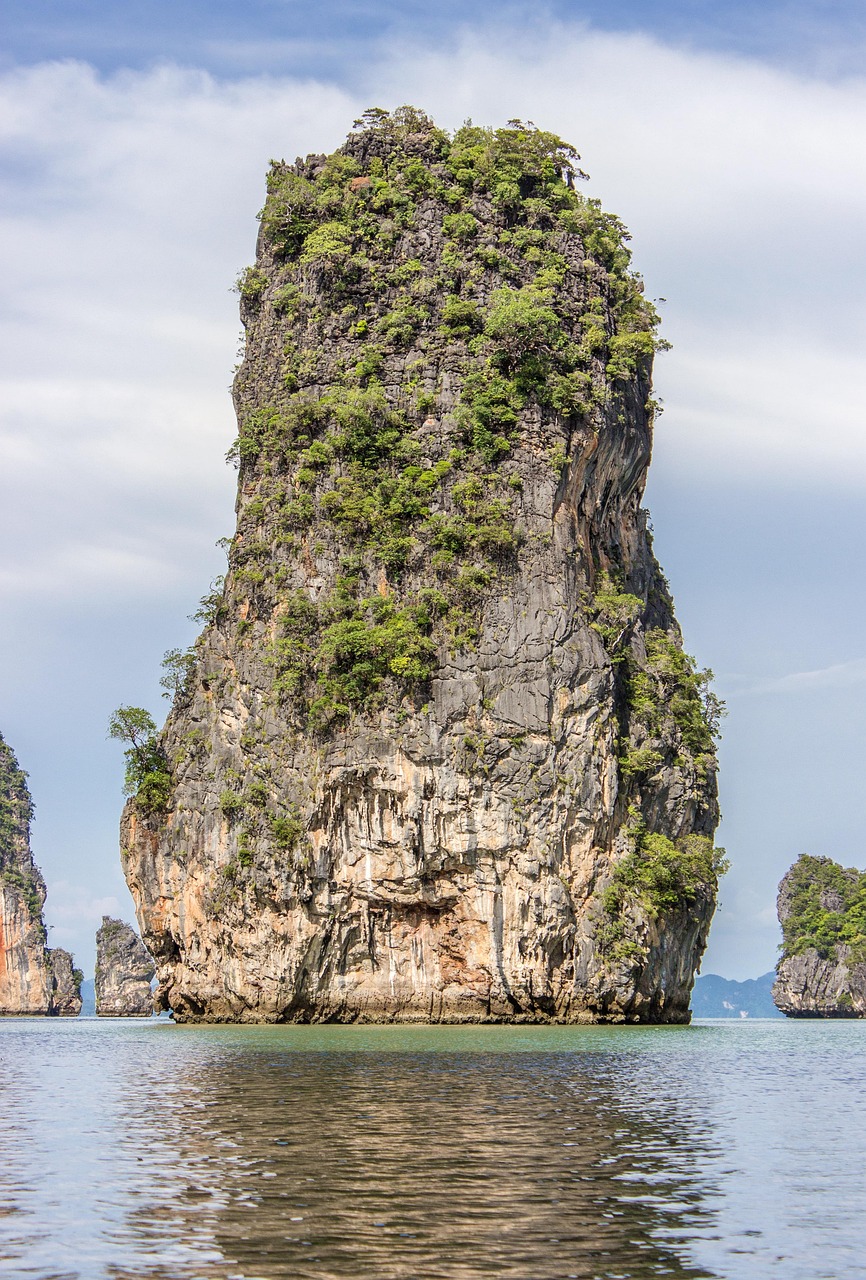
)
(34, 978)
(88, 998)
(822, 911)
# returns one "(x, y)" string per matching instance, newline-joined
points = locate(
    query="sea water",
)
(144, 1149)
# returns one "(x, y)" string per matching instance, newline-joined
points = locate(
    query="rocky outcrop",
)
(438, 753)
(124, 971)
(822, 911)
(33, 979)
(811, 985)
(65, 984)
(25, 976)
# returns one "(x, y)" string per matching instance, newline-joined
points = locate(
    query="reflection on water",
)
(133, 1151)
(430, 1165)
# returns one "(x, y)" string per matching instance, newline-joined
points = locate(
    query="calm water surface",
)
(132, 1149)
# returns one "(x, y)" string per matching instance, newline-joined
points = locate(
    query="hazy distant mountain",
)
(715, 997)
(88, 999)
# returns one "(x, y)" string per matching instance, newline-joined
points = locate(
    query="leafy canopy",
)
(147, 776)
(827, 907)
(16, 806)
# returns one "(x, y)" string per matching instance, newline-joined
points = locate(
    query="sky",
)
(134, 139)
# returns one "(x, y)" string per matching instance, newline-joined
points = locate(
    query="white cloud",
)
(74, 913)
(130, 207)
(75, 904)
(840, 675)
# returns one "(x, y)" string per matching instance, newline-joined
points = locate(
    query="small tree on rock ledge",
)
(147, 777)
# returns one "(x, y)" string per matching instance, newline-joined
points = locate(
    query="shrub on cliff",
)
(824, 905)
(16, 806)
(147, 773)
(659, 876)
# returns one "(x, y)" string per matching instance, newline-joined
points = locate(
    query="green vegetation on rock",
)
(669, 695)
(658, 876)
(825, 906)
(17, 869)
(147, 773)
(16, 806)
(525, 303)
(614, 612)
(29, 885)
(178, 666)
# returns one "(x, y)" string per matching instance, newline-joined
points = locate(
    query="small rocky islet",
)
(124, 971)
(822, 969)
(37, 980)
(34, 978)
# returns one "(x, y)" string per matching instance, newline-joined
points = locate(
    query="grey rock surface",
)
(25, 977)
(442, 854)
(813, 986)
(65, 984)
(819, 983)
(124, 970)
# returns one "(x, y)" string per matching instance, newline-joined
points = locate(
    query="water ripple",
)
(146, 1150)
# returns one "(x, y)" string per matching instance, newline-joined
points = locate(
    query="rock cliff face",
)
(822, 911)
(65, 984)
(438, 754)
(33, 979)
(25, 976)
(123, 972)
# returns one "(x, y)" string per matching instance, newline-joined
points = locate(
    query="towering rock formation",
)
(822, 911)
(25, 975)
(65, 984)
(123, 972)
(33, 980)
(438, 753)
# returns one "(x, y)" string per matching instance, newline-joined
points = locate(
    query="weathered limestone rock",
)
(25, 977)
(814, 986)
(438, 754)
(820, 902)
(65, 984)
(33, 980)
(123, 972)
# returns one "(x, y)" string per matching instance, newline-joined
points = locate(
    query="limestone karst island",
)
(822, 969)
(34, 979)
(438, 754)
